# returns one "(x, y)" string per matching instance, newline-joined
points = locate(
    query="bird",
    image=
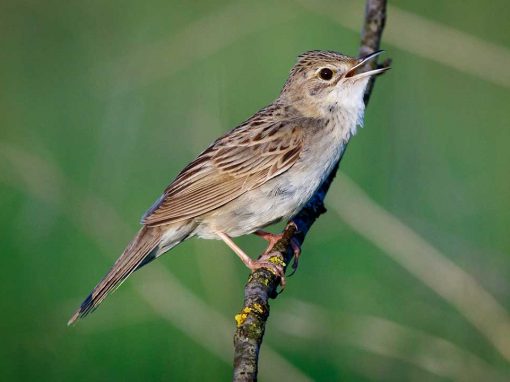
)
(261, 172)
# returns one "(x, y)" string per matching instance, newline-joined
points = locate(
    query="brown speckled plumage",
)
(260, 172)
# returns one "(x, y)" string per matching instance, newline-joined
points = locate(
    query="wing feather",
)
(243, 159)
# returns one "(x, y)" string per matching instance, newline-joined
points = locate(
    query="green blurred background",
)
(102, 103)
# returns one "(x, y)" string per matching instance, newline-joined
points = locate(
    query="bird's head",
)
(322, 82)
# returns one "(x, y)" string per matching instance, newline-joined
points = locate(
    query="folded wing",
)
(243, 159)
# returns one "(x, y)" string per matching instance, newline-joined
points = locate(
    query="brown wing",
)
(242, 160)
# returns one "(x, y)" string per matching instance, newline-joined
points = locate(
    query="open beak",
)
(352, 72)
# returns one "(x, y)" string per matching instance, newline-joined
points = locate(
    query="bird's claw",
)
(296, 248)
(273, 262)
(273, 238)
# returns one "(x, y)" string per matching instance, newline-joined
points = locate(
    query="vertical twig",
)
(262, 283)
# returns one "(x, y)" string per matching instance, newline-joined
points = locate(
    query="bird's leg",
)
(273, 238)
(263, 262)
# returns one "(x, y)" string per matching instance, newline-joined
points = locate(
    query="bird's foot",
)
(273, 238)
(271, 261)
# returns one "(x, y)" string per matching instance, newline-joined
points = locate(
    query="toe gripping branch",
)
(281, 254)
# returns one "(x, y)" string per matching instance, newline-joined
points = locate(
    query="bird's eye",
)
(326, 74)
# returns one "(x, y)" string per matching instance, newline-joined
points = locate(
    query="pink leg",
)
(262, 262)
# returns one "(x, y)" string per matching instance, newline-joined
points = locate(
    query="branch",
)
(262, 284)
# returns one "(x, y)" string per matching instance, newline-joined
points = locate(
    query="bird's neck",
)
(345, 118)
(342, 118)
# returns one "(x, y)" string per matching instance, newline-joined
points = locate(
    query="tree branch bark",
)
(262, 284)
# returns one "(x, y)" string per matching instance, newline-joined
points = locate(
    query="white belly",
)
(281, 197)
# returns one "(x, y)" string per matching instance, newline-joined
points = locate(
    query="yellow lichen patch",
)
(259, 308)
(277, 260)
(242, 316)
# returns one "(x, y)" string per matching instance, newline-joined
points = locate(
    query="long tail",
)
(137, 253)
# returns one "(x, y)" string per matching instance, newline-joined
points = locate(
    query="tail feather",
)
(140, 248)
